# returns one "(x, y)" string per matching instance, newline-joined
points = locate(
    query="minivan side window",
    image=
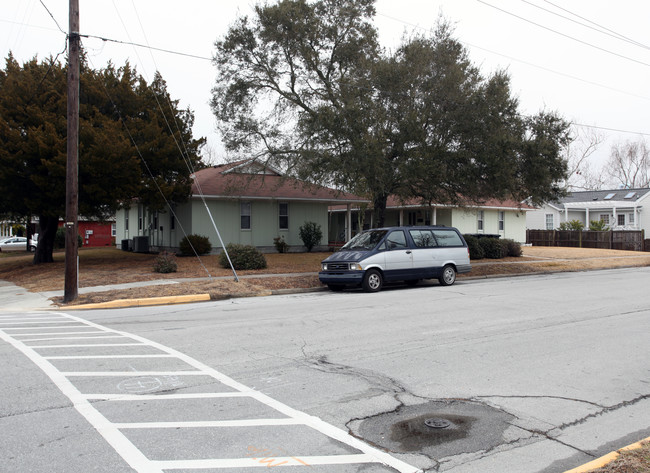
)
(423, 238)
(396, 240)
(447, 238)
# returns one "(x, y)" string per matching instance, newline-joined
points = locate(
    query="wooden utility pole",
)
(71, 290)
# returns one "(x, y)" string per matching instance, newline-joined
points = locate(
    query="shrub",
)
(195, 243)
(59, 239)
(598, 226)
(475, 249)
(281, 245)
(242, 257)
(491, 247)
(511, 248)
(572, 225)
(165, 262)
(310, 234)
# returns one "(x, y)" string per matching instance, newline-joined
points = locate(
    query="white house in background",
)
(504, 218)
(621, 209)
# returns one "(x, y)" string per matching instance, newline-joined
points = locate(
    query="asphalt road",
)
(531, 374)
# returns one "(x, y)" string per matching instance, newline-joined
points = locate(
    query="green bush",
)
(192, 244)
(511, 248)
(598, 226)
(475, 249)
(572, 225)
(281, 245)
(310, 234)
(491, 247)
(242, 257)
(165, 262)
(59, 239)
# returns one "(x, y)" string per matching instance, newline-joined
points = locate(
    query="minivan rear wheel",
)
(372, 281)
(448, 276)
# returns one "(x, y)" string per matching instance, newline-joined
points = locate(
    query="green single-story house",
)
(245, 202)
(504, 218)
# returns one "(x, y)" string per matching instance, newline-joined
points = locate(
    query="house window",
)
(605, 218)
(630, 218)
(126, 220)
(502, 221)
(284, 216)
(113, 230)
(621, 219)
(480, 220)
(245, 212)
(140, 219)
(550, 223)
(172, 222)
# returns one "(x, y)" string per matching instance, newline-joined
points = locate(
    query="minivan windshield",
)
(365, 241)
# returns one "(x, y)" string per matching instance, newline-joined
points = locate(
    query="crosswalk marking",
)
(142, 383)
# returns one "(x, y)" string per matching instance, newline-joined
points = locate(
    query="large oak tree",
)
(126, 148)
(306, 85)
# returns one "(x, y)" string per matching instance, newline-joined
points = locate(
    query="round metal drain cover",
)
(437, 423)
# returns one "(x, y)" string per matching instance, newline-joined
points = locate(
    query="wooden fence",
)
(631, 240)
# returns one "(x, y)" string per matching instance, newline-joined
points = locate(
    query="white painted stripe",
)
(207, 423)
(96, 337)
(263, 462)
(123, 374)
(39, 334)
(47, 328)
(96, 357)
(22, 322)
(132, 455)
(162, 396)
(139, 344)
(314, 422)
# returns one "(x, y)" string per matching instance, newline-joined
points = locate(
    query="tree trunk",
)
(379, 203)
(47, 231)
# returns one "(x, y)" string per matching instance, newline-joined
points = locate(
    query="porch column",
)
(615, 217)
(434, 216)
(566, 214)
(401, 217)
(348, 222)
(587, 217)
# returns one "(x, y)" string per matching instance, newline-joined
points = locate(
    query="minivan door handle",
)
(408, 252)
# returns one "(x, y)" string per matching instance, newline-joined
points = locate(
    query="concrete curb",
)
(121, 303)
(606, 459)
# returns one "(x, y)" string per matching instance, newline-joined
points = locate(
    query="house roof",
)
(603, 198)
(250, 179)
(394, 202)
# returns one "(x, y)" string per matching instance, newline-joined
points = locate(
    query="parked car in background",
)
(16, 244)
(407, 254)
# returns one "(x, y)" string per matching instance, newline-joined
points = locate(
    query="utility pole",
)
(71, 290)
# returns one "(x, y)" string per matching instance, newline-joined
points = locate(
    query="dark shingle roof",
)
(618, 195)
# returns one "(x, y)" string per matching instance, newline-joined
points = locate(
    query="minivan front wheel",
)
(448, 276)
(372, 281)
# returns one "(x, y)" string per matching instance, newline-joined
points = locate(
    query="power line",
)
(563, 34)
(52, 16)
(596, 27)
(129, 43)
(619, 35)
(611, 129)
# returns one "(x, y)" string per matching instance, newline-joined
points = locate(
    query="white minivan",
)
(391, 254)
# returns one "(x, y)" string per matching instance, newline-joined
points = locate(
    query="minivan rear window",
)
(447, 238)
(423, 238)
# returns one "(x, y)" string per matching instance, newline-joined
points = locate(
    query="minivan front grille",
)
(338, 266)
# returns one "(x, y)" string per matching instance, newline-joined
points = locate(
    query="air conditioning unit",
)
(127, 245)
(141, 244)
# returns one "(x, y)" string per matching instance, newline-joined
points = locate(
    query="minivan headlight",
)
(355, 266)
(323, 266)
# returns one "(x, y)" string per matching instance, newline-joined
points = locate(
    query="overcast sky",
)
(588, 60)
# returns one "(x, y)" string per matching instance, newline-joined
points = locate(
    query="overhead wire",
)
(586, 43)
(184, 152)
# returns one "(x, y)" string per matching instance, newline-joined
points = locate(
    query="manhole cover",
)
(437, 423)
(438, 428)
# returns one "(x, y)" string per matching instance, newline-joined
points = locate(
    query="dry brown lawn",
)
(105, 266)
